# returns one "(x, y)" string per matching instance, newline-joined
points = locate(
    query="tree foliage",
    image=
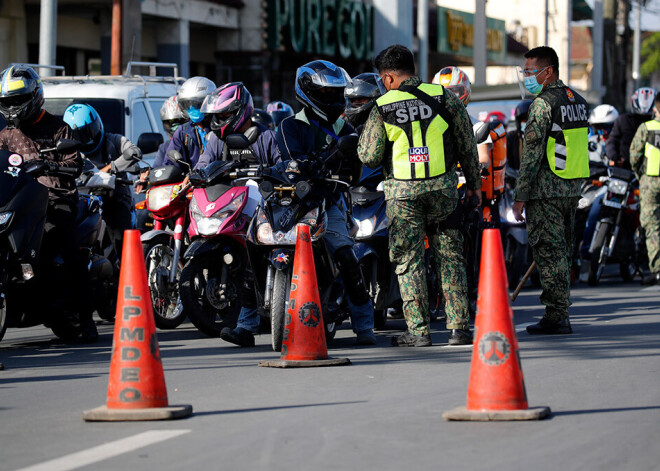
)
(650, 55)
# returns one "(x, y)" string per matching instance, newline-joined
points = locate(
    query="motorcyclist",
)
(316, 129)
(515, 138)
(29, 129)
(109, 153)
(601, 122)
(190, 139)
(625, 126)
(230, 109)
(361, 94)
(278, 110)
(172, 117)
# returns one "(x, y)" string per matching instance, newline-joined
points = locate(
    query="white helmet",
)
(191, 96)
(603, 114)
(454, 79)
(642, 100)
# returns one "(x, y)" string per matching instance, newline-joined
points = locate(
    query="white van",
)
(128, 104)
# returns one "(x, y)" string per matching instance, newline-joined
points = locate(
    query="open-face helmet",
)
(191, 96)
(602, 119)
(171, 115)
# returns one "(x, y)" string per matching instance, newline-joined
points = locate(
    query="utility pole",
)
(597, 71)
(480, 48)
(47, 35)
(423, 37)
(115, 45)
(637, 41)
(547, 14)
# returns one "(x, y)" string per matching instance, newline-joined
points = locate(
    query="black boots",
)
(546, 327)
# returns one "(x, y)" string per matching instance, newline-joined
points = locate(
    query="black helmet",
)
(262, 117)
(21, 95)
(320, 89)
(367, 85)
(522, 112)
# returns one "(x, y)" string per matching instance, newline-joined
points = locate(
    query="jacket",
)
(186, 141)
(264, 147)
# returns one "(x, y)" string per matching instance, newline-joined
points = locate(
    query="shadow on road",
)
(263, 409)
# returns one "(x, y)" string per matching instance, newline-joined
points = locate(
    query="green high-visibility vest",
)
(567, 148)
(415, 132)
(652, 148)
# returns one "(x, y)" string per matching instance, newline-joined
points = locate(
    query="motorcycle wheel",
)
(197, 288)
(597, 265)
(434, 289)
(516, 256)
(3, 320)
(280, 300)
(65, 326)
(168, 310)
(627, 270)
(330, 331)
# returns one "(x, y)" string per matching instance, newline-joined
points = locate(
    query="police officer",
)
(645, 162)
(420, 132)
(554, 161)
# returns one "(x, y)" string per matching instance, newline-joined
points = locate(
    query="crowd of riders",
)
(200, 117)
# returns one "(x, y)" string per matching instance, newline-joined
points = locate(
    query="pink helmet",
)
(230, 106)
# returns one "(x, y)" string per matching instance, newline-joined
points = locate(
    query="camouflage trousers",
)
(550, 225)
(649, 218)
(409, 221)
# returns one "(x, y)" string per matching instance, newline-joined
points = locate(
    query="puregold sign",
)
(456, 35)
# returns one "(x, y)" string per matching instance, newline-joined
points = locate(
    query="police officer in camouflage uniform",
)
(554, 160)
(420, 132)
(645, 161)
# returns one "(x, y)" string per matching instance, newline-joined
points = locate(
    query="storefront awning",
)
(582, 10)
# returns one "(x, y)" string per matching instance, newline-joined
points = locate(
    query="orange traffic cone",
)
(496, 390)
(136, 389)
(304, 333)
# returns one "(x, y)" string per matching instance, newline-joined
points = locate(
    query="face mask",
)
(532, 85)
(523, 126)
(195, 115)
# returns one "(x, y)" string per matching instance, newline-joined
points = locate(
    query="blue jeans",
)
(590, 227)
(336, 236)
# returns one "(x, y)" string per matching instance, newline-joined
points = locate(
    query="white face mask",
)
(523, 125)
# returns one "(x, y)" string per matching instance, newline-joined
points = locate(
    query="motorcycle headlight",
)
(265, 234)
(159, 197)
(210, 225)
(618, 187)
(365, 227)
(5, 218)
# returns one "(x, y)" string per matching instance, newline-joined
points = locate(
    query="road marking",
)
(103, 452)
(523, 327)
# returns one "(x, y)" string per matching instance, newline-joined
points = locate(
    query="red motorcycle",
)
(167, 202)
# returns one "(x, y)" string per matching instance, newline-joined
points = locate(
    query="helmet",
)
(86, 125)
(278, 110)
(642, 100)
(522, 113)
(602, 119)
(320, 89)
(454, 79)
(191, 96)
(21, 95)
(262, 117)
(367, 85)
(496, 116)
(171, 116)
(234, 103)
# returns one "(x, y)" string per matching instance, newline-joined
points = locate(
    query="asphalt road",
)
(382, 412)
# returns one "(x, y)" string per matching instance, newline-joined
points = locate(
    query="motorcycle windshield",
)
(11, 175)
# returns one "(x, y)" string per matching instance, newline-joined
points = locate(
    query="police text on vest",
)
(573, 113)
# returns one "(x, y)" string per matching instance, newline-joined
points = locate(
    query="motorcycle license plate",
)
(612, 203)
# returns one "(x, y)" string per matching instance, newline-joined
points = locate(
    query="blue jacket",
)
(298, 136)
(186, 141)
(161, 156)
(264, 147)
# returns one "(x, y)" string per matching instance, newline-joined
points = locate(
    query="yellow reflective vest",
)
(416, 134)
(652, 148)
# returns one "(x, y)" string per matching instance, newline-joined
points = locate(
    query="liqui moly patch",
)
(418, 155)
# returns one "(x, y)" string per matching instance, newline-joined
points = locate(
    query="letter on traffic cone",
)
(496, 390)
(136, 388)
(304, 332)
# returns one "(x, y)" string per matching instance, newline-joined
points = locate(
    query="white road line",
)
(103, 452)
(522, 327)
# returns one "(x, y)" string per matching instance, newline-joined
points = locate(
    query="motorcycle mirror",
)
(66, 145)
(348, 144)
(237, 141)
(175, 157)
(266, 189)
(149, 142)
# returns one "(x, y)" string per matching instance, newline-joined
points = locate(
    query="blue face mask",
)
(195, 115)
(523, 126)
(532, 85)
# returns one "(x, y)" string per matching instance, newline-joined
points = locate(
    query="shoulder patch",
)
(530, 134)
(569, 94)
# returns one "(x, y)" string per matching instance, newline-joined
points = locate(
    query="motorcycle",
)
(618, 234)
(515, 241)
(292, 193)
(167, 203)
(372, 244)
(24, 273)
(215, 263)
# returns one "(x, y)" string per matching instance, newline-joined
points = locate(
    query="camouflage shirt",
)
(536, 180)
(374, 149)
(638, 158)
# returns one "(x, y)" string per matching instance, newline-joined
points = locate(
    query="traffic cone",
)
(136, 389)
(304, 333)
(496, 389)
